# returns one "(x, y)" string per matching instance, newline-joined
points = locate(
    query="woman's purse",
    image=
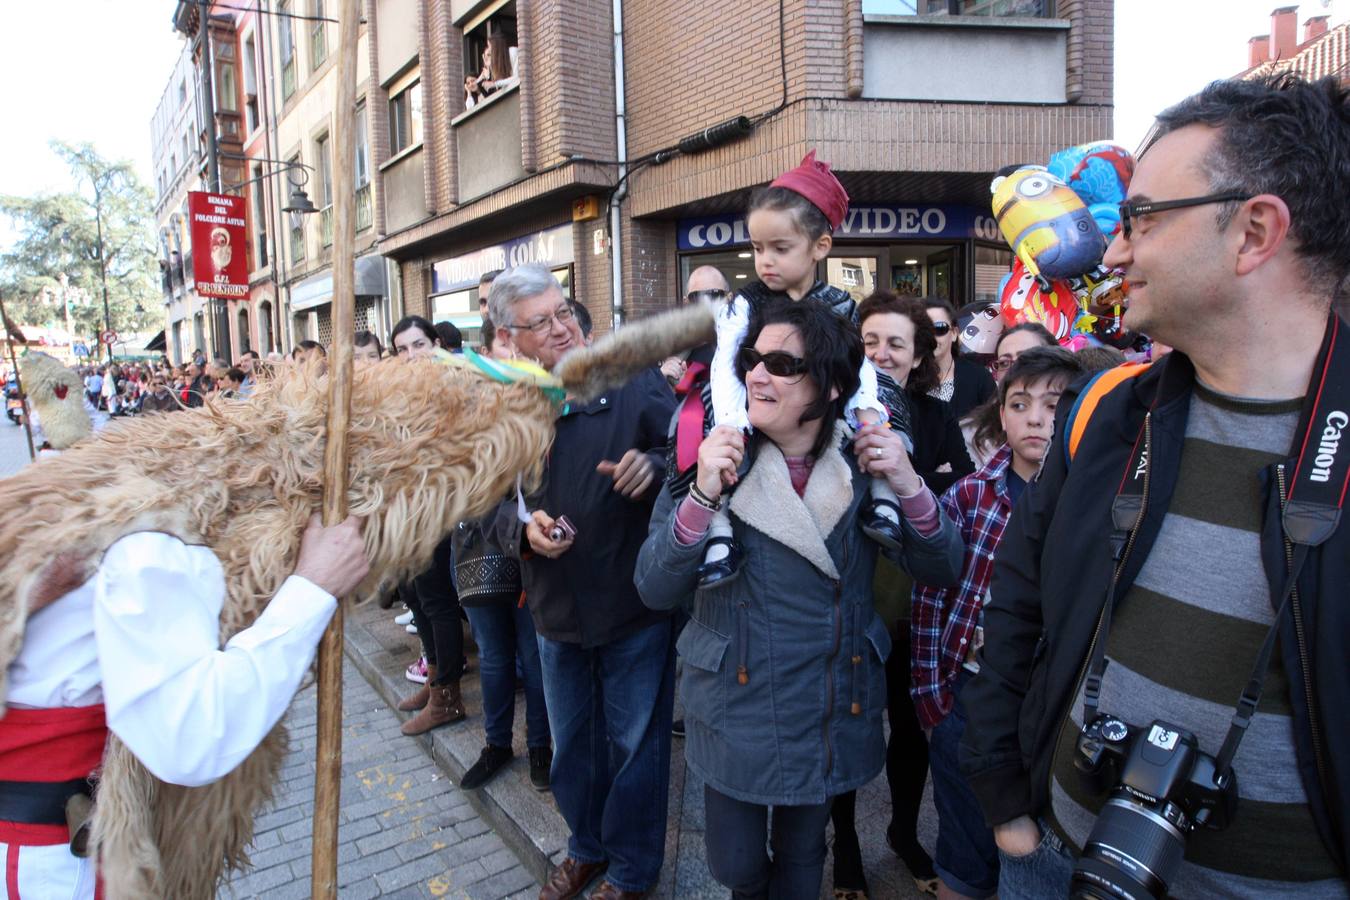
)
(484, 575)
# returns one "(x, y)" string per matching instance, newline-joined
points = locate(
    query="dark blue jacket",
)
(587, 596)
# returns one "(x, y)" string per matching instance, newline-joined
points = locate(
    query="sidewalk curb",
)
(389, 687)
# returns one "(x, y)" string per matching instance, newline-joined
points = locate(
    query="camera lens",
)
(1132, 852)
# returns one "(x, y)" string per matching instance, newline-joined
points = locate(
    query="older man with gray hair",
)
(607, 659)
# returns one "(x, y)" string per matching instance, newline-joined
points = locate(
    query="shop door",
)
(942, 280)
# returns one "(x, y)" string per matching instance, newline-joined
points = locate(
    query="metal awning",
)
(318, 289)
(157, 343)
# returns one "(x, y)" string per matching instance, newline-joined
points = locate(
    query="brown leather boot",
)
(418, 700)
(443, 707)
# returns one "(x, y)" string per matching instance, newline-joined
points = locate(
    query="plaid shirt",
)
(944, 619)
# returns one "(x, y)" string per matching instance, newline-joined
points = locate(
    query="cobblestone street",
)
(406, 830)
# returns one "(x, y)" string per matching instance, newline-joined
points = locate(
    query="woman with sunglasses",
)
(960, 383)
(784, 681)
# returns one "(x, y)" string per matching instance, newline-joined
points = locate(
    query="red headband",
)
(814, 181)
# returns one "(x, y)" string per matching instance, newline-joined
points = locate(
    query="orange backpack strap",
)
(1075, 425)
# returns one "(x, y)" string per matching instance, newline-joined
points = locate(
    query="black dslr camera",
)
(1161, 787)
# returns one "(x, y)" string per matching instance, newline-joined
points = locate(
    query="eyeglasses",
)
(776, 362)
(710, 296)
(541, 324)
(941, 328)
(1130, 209)
(1003, 363)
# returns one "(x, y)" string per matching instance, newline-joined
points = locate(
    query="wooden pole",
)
(328, 765)
(10, 332)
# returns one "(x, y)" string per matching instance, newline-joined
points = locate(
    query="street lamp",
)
(299, 201)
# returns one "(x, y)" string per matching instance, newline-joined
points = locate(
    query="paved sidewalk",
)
(529, 822)
(406, 830)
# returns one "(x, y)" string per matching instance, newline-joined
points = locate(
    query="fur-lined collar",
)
(766, 501)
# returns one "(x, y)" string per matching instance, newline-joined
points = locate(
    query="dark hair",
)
(583, 316)
(365, 339)
(1035, 328)
(487, 278)
(1099, 359)
(924, 378)
(834, 355)
(308, 345)
(1036, 364)
(428, 330)
(234, 373)
(1285, 136)
(451, 339)
(252, 353)
(487, 334)
(808, 220)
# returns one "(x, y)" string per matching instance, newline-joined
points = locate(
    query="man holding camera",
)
(607, 659)
(1184, 530)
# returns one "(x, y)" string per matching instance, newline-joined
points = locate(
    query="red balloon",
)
(1022, 300)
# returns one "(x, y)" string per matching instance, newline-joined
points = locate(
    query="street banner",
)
(219, 241)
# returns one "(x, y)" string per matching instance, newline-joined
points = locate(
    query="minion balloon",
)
(1047, 225)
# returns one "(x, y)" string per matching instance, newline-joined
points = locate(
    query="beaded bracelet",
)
(702, 499)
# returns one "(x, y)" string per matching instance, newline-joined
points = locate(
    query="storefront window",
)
(737, 266)
(991, 264)
(855, 274)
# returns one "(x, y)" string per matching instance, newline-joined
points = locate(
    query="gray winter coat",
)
(784, 679)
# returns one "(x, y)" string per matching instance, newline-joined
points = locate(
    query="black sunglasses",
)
(1130, 208)
(708, 296)
(941, 328)
(776, 362)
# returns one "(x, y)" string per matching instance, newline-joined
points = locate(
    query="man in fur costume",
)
(60, 413)
(153, 628)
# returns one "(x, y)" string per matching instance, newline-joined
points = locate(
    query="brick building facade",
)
(915, 112)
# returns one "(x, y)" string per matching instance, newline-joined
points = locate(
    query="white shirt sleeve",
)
(728, 391)
(190, 710)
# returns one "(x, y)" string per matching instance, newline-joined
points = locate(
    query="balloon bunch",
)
(1058, 220)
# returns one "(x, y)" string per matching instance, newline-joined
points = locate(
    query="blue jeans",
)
(735, 836)
(506, 640)
(967, 858)
(1044, 872)
(610, 710)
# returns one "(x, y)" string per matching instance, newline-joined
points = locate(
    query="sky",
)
(95, 70)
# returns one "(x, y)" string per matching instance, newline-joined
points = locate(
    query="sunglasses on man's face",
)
(776, 362)
(710, 296)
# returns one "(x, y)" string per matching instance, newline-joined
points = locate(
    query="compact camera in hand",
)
(562, 530)
(1161, 787)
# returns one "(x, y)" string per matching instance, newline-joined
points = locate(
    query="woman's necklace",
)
(947, 372)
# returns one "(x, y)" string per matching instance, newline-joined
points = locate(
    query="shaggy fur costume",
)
(56, 394)
(430, 445)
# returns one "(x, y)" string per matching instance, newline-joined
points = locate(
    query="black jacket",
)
(937, 440)
(973, 386)
(587, 596)
(1050, 579)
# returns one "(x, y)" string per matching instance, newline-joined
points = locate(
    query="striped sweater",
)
(1181, 646)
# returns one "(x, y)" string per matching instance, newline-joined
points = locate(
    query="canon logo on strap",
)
(1330, 443)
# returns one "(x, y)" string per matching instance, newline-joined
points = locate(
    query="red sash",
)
(48, 745)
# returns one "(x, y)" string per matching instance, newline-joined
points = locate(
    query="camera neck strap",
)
(1310, 514)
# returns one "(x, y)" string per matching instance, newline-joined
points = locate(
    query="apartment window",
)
(286, 49)
(182, 93)
(405, 118)
(323, 150)
(251, 118)
(491, 58)
(297, 222)
(988, 8)
(259, 216)
(187, 148)
(173, 163)
(362, 157)
(227, 95)
(318, 35)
